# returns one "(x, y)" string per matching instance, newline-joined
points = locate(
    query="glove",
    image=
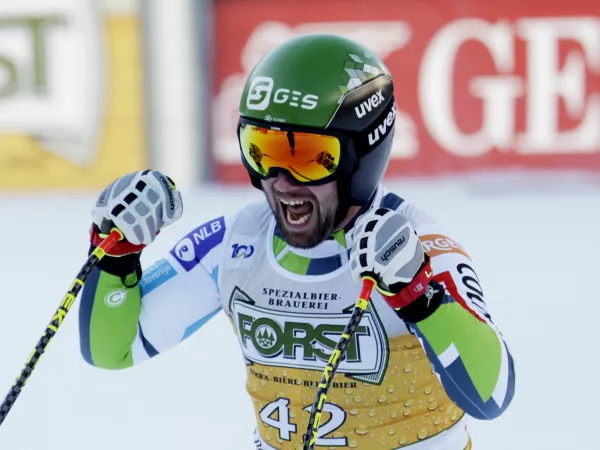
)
(387, 249)
(139, 204)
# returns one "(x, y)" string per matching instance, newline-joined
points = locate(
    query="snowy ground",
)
(537, 256)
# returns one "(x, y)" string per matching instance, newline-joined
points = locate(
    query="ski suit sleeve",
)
(124, 321)
(467, 351)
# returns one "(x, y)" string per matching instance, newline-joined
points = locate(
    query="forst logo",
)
(265, 336)
(296, 339)
(307, 340)
(261, 89)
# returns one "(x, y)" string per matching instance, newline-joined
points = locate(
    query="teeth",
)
(293, 202)
(300, 220)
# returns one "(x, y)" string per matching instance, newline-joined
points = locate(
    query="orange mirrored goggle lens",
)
(307, 157)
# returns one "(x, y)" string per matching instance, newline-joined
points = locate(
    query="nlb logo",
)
(261, 91)
(185, 250)
(190, 250)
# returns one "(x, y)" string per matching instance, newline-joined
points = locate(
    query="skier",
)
(316, 126)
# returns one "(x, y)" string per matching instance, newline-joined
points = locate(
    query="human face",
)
(306, 215)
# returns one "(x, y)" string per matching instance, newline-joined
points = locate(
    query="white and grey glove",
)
(387, 249)
(139, 204)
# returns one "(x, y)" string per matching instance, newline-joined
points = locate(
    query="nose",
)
(284, 182)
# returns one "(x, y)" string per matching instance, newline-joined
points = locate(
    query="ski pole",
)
(310, 438)
(94, 258)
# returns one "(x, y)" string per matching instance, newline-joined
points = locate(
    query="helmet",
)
(330, 85)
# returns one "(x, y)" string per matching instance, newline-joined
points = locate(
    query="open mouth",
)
(297, 212)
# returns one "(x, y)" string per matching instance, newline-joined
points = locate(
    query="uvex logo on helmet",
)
(261, 88)
(369, 104)
(384, 127)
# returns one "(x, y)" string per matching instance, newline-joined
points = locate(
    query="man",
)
(315, 130)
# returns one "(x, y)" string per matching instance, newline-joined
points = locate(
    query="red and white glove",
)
(139, 204)
(387, 249)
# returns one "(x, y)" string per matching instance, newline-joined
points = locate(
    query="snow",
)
(536, 251)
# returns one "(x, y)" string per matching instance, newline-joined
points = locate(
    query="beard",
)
(324, 217)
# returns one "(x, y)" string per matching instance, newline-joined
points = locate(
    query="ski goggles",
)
(307, 156)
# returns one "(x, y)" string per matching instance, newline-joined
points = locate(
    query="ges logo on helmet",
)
(261, 88)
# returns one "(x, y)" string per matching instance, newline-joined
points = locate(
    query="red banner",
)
(479, 85)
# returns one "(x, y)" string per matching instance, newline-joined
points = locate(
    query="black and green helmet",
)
(330, 85)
